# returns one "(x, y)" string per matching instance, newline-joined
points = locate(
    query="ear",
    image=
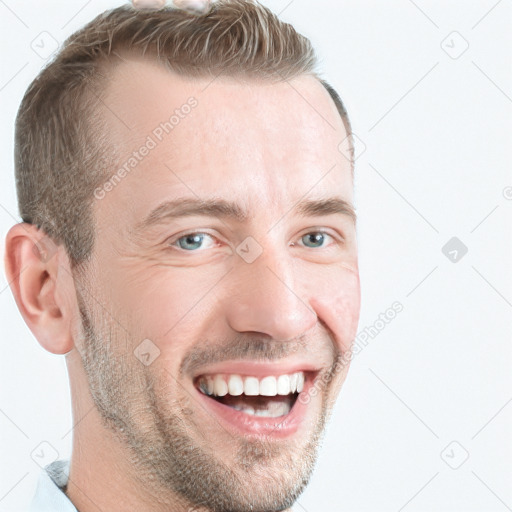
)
(39, 275)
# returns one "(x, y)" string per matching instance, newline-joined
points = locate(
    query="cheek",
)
(338, 305)
(174, 309)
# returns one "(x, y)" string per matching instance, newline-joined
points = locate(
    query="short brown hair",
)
(58, 142)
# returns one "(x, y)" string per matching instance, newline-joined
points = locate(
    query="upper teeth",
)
(235, 385)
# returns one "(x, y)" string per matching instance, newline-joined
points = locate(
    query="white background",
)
(435, 385)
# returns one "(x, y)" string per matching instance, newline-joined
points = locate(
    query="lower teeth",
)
(264, 406)
(273, 410)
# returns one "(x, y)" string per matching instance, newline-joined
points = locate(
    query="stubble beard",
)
(153, 419)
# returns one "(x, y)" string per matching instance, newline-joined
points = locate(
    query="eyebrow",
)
(221, 208)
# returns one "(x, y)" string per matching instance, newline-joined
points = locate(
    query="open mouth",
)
(269, 397)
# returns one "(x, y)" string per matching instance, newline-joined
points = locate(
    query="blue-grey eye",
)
(191, 241)
(316, 239)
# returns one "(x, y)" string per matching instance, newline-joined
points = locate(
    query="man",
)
(188, 242)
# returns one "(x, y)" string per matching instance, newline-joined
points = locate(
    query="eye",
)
(316, 239)
(191, 241)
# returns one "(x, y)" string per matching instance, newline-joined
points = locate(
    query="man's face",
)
(223, 302)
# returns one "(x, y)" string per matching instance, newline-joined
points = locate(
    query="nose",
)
(267, 297)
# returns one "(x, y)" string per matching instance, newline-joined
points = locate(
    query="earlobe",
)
(39, 285)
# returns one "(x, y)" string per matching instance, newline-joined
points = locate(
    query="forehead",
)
(264, 141)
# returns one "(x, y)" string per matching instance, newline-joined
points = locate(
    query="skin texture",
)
(142, 441)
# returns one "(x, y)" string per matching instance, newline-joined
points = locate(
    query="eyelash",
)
(175, 240)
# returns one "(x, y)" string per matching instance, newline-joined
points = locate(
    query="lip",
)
(239, 423)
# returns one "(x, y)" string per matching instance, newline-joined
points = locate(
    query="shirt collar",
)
(50, 492)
